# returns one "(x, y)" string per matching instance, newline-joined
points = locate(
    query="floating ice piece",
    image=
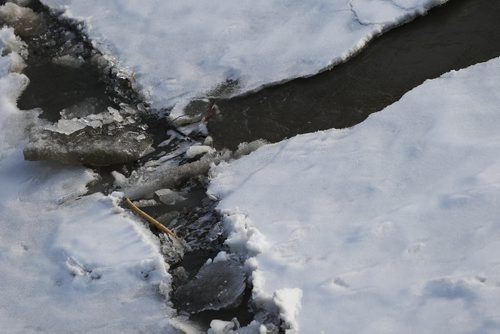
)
(168, 196)
(197, 150)
(88, 106)
(25, 21)
(145, 182)
(233, 327)
(173, 249)
(15, 51)
(68, 61)
(217, 285)
(221, 327)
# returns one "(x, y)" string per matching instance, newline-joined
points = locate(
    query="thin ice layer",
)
(391, 226)
(70, 264)
(177, 50)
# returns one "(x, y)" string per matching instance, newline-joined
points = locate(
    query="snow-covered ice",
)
(177, 50)
(70, 263)
(392, 226)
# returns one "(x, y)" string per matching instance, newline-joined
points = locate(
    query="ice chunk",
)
(197, 150)
(233, 327)
(222, 256)
(173, 249)
(217, 285)
(25, 21)
(90, 146)
(169, 197)
(145, 203)
(221, 327)
(14, 48)
(146, 182)
(88, 106)
(68, 61)
(247, 148)
(67, 126)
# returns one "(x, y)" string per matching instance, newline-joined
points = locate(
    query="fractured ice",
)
(102, 146)
(217, 285)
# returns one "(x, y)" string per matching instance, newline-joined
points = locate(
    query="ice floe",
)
(177, 50)
(387, 227)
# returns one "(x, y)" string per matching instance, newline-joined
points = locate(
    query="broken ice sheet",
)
(218, 285)
(102, 146)
(168, 196)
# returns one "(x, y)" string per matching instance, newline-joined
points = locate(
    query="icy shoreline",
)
(188, 49)
(387, 227)
(70, 263)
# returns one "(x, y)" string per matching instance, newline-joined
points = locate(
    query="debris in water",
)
(149, 219)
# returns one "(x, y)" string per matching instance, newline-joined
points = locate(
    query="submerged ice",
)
(219, 284)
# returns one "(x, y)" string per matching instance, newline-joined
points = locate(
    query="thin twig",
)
(150, 219)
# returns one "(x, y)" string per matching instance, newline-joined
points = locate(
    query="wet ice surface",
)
(218, 284)
(459, 34)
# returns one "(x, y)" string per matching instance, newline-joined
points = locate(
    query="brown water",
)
(454, 36)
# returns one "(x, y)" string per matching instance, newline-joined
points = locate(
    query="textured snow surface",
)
(392, 226)
(69, 264)
(177, 50)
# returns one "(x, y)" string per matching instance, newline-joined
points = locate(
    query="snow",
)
(230, 327)
(70, 263)
(178, 50)
(391, 226)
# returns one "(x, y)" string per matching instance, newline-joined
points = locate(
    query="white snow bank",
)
(177, 50)
(391, 226)
(70, 264)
